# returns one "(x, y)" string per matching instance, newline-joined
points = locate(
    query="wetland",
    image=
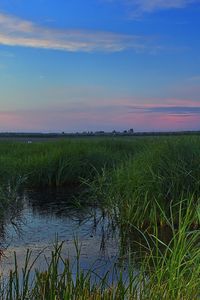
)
(106, 218)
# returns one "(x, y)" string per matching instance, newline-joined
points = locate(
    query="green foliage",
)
(62, 162)
(166, 171)
(146, 184)
(127, 175)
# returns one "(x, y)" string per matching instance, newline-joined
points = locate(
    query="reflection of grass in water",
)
(10, 202)
(172, 273)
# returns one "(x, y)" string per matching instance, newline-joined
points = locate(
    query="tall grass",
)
(64, 162)
(166, 172)
(143, 184)
(167, 271)
(174, 272)
(126, 175)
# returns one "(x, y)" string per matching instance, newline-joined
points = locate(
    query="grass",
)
(166, 172)
(61, 163)
(175, 270)
(144, 184)
(167, 271)
(126, 176)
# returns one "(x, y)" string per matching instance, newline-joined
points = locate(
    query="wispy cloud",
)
(18, 32)
(153, 5)
(139, 7)
(173, 110)
(120, 114)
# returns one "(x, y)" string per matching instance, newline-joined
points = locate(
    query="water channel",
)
(46, 216)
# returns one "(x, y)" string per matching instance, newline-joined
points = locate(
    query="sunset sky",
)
(74, 65)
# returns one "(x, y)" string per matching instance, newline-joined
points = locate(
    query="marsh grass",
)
(142, 184)
(167, 271)
(62, 162)
(165, 172)
(174, 271)
(9, 197)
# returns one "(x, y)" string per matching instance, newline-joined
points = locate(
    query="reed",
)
(174, 271)
(167, 271)
(145, 185)
(63, 162)
(166, 172)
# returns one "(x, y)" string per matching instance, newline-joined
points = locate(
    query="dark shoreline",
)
(48, 137)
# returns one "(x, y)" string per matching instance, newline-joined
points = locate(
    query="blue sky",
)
(99, 65)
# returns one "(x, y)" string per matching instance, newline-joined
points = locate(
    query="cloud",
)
(139, 7)
(153, 5)
(173, 110)
(18, 32)
(119, 115)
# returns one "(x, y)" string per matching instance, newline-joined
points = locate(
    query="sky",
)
(99, 65)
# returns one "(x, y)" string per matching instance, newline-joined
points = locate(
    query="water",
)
(46, 216)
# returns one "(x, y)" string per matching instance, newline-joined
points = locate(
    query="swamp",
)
(100, 218)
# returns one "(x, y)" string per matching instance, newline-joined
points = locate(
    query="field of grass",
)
(162, 173)
(144, 184)
(62, 163)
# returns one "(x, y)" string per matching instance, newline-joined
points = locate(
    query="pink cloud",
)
(118, 114)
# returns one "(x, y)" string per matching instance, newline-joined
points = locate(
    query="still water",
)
(42, 217)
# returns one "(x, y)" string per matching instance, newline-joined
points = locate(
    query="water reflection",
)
(57, 203)
(46, 214)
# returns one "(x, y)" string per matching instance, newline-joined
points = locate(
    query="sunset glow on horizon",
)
(99, 65)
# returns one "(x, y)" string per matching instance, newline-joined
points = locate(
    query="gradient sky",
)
(99, 65)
